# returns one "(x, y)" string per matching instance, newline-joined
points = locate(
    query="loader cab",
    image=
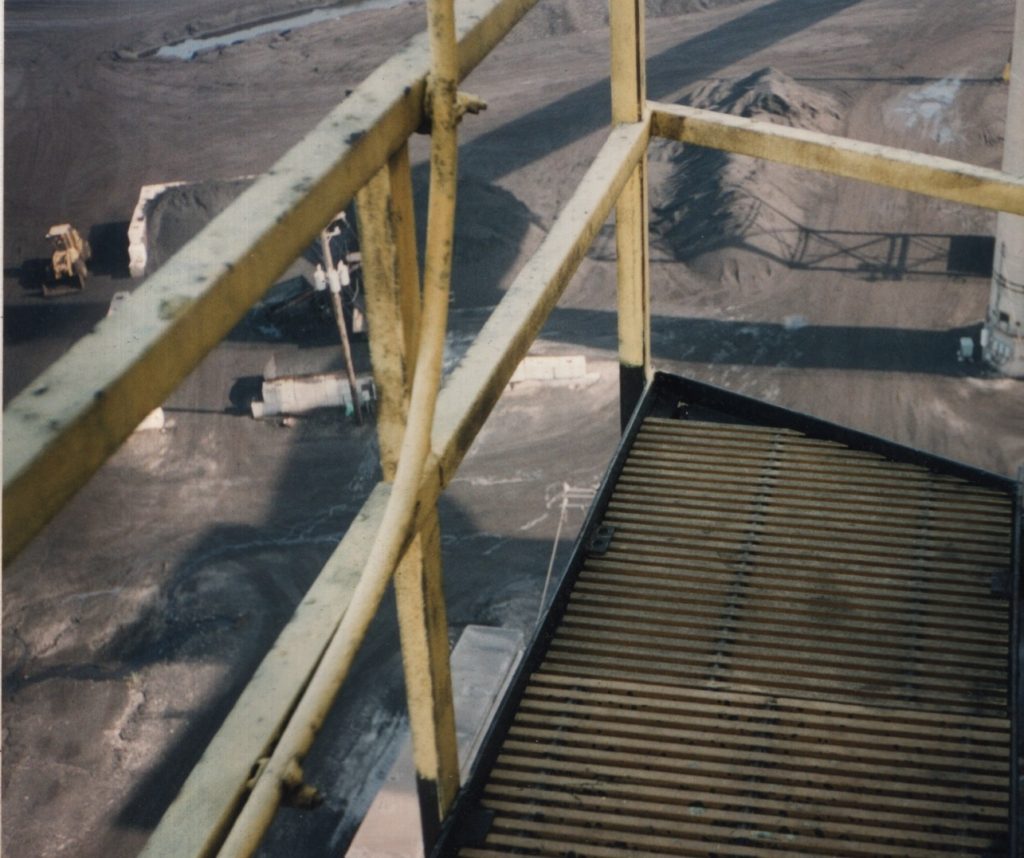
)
(62, 237)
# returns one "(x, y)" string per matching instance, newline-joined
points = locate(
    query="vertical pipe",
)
(629, 97)
(339, 317)
(422, 620)
(1003, 335)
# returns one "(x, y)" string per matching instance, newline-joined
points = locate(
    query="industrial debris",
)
(286, 391)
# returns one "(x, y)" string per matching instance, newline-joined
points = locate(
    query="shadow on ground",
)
(56, 317)
(109, 242)
(574, 116)
(234, 593)
(797, 345)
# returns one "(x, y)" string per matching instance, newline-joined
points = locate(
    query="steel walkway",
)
(774, 643)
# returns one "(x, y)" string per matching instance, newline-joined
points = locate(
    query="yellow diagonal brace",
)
(478, 381)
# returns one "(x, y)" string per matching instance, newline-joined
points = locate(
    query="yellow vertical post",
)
(629, 95)
(387, 241)
(1002, 338)
(423, 625)
(404, 224)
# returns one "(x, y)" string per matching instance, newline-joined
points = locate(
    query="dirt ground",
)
(132, 622)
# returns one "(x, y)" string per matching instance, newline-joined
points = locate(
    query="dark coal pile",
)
(179, 213)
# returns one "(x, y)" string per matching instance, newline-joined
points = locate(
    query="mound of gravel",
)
(703, 199)
(768, 94)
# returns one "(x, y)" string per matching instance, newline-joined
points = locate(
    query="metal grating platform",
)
(789, 646)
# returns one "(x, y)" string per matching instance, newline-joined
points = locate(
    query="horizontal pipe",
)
(869, 162)
(77, 412)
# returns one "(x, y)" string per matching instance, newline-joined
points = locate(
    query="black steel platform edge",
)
(467, 824)
(669, 395)
(1016, 699)
(688, 392)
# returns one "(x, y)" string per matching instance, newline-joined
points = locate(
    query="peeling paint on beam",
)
(476, 384)
(869, 162)
(77, 413)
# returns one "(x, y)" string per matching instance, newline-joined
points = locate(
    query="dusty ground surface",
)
(131, 623)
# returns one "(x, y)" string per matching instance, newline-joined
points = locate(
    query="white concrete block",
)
(550, 368)
(154, 421)
(571, 366)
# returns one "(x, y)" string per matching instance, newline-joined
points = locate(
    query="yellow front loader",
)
(68, 268)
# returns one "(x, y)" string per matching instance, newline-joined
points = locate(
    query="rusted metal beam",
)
(74, 415)
(869, 162)
(628, 81)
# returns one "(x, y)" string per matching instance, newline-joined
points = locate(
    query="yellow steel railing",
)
(59, 431)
